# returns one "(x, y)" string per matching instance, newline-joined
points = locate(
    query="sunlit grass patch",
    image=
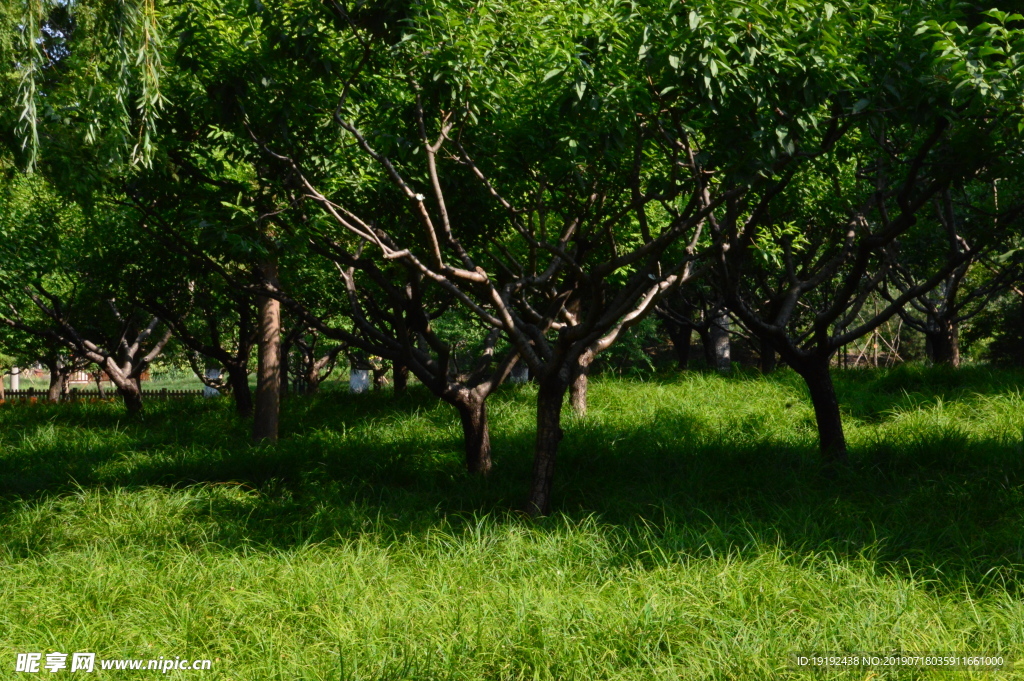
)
(696, 537)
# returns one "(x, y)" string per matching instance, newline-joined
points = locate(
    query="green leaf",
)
(551, 74)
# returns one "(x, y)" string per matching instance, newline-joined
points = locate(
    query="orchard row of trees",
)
(464, 188)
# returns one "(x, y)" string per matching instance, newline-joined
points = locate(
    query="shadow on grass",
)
(941, 503)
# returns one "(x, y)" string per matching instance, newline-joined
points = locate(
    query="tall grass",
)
(696, 536)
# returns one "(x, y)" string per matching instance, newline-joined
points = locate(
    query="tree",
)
(858, 151)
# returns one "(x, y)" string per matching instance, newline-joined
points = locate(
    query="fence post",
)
(163, 393)
(31, 391)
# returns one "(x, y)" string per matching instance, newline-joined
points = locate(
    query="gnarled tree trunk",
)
(579, 384)
(53, 391)
(943, 344)
(238, 378)
(832, 441)
(679, 333)
(132, 396)
(472, 408)
(400, 373)
(549, 435)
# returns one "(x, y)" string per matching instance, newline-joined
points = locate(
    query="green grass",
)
(695, 538)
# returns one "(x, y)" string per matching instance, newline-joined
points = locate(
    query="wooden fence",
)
(77, 393)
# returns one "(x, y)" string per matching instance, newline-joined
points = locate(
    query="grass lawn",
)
(695, 537)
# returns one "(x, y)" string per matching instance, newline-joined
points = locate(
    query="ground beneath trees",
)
(695, 537)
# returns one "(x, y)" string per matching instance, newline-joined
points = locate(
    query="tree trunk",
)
(520, 372)
(768, 358)
(53, 392)
(815, 372)
(65, 383)
(549, 434)
(578, 385)
(707, 347)
(472, 409)
(238, 377)
(718, 333)
(400, 373)
(311, 382)
(129, 391)
(268, 372)
(943, 345)
(679, 333)
(15, 378)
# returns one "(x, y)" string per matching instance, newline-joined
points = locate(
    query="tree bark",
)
(579, 384)
(831, 439)
(268, 372)
(549, 435)
(400, 373)
(65, 383)
(311, 382)
(768, 358)
(238, 377)
(132, 396)
(718, 333)
(707, 346)
(472, 409)
(943, 344)
(680, 334)
(53, 392)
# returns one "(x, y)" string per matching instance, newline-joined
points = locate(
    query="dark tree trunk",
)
(707, 347)
(679, 333)
(132, 397)
(768, 358)
(943, 344)
(549, 434)
(815, 372)
(268, 373)
(473, 412)
(400, 374)
(238, 377)
(682, 348)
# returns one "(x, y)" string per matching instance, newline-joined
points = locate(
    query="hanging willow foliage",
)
(114, 95)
